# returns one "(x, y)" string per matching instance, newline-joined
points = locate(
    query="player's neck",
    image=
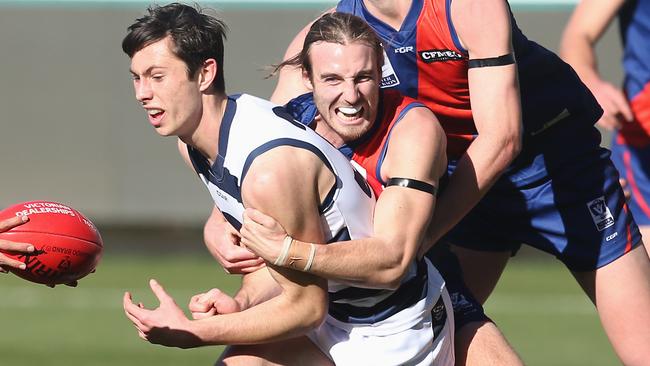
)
(325, 131)
(391, 12)
(205, 137)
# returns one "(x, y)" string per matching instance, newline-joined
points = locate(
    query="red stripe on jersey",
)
(637, 133)
(369, 152)
(442, 80)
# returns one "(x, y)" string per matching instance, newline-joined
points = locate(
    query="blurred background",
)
(72, 132)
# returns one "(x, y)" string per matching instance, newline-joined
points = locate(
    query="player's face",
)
(345, 82)
(162, 85)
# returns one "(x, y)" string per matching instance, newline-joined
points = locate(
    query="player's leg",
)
(621, 292)
(299, 351)
(481, 343)
(633, 164)
(597, 238)
(481, 270)
(477, 340)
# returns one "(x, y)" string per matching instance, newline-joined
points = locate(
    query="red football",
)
(67, 244)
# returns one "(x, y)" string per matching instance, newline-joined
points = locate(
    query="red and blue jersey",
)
(426, 61)
(634, 20)
(369, 151)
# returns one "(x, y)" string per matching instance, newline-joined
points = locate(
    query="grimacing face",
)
(162, 86)
(345, 82)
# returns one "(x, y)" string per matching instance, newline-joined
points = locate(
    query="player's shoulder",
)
(278, 170)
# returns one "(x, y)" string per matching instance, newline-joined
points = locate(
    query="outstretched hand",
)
(166, 325)
(262, 234)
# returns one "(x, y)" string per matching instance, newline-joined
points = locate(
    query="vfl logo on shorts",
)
(388, 76)
(600, 213)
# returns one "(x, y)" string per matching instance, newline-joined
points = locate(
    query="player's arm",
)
(587, 24)
(416, 151)
(222, 239)
(483, 27)
(302, 301)
(290, 82)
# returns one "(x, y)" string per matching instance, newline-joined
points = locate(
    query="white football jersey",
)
(252, 126)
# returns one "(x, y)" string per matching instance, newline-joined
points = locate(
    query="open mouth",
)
(155, 115)
(349, 113)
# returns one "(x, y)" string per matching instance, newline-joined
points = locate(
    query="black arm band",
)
(412, 183)
(492, 61)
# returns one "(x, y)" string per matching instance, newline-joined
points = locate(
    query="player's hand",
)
(211, 303)
(166, 325)
(223, 243)
(626, 189)
(616, 109)
(262, 234)
(13, 247)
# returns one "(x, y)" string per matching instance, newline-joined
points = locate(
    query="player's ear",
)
(306, 80)
(207, 73)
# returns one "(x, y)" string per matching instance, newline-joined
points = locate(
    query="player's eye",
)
(157, 77)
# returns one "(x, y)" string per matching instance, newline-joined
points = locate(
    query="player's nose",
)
(350, 92)
(143, 91)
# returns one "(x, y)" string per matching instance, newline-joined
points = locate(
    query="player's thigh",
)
(481, 343)
(299, 351)
(621, 292)
(481, 269)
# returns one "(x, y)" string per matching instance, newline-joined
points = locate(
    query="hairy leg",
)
(299, 351)
(481, 270)
(621, 293)
(481, 343)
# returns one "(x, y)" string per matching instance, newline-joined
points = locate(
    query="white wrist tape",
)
(310, 261)
(280, 260)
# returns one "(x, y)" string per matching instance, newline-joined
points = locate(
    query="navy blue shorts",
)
(633, 163)
(466, 308)
(562, 196)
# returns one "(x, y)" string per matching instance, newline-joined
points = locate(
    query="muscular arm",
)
(301, 301)
(416, 150)
(484, 29)
(577, 47)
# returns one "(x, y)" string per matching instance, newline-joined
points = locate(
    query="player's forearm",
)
(475, 173)
(256, 288)
(370, 262)
(578, 50)
(283, 317)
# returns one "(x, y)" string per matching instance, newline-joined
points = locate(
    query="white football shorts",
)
(422, 334)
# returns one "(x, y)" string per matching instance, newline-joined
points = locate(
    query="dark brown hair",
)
(196, 36)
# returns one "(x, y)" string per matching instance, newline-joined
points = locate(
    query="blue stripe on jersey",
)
(329, 200)
(452, 29)
(400, 45)
(224, 135)
(225, 181)
(409, 293)
(634, 22)
(384, 148)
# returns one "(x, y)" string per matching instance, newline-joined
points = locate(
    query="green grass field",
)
(537, 304)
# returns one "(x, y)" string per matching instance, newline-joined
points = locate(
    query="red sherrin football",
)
(67, 244)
